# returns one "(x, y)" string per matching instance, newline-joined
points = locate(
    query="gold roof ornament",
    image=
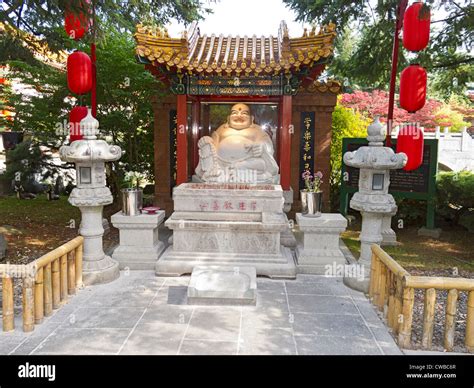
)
(329, 85)
(202, 54)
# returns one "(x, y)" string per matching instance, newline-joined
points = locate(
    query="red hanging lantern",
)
(413, 88)
(416, 27)
(410, 141)
(75, 116)
(76, 25)
(79, 72)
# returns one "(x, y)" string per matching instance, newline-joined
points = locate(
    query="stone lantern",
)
(372, 200)
(90, 196)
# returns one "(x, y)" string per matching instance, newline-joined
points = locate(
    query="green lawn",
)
(35, 226)
(38, 210)
(452, 249)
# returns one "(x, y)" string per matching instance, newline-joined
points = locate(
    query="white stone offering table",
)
(139, 247)
(319, 248)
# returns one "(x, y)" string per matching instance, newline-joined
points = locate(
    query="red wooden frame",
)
(182, 139)
(285, 129)
(285, 142)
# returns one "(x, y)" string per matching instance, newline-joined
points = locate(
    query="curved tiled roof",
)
(199, 54)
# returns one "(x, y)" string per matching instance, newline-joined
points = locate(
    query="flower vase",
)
(132, 201)
(311, 203)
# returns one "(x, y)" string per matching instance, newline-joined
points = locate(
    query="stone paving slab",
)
(143, 314)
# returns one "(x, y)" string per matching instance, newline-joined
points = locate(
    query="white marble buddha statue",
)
(238, 151)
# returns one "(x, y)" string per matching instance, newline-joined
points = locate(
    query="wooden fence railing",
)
(46, 284)
(392, 290)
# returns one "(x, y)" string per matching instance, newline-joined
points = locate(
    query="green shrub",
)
(345, 123)
(455, 194)
(411, 211)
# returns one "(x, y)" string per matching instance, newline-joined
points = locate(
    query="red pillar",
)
(286, 131)
(182, 148)
(196, 120)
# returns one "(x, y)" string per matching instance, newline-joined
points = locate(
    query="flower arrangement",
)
(133, 179)
(312, 182)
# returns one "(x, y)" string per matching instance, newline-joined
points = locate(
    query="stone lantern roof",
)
(90, 149)
(375, 155)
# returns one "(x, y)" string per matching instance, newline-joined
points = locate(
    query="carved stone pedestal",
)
(139, 246)
(97, 267)
(227, 224)
(319, 248)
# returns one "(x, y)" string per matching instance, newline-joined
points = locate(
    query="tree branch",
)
(450, 18)
(452, 64)
(67, 166)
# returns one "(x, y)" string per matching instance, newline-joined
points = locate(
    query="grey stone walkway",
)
(143, 314)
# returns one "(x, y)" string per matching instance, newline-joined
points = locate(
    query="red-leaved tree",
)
(375, 103)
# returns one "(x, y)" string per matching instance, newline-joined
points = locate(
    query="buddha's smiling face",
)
(240, 117)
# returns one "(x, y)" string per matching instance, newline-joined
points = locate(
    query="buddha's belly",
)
(235, 148)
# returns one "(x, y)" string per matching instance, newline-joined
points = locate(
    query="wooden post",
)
(71, 274)
(382, 287)
(56, 280)
(63, 277)
(391, 300)
(28, 305)
(470, 323)
(47, 290)
(404, 335)
(373, 273)
(376, 287)
(428, 318)
(182, 139)
(285, 142)
(39, 300)
(78, 266)
(450, 325)
(397, 310)
(8, 315)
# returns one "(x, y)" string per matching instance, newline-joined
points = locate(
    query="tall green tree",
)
(125, 92)
(44, 19)
(366, 61)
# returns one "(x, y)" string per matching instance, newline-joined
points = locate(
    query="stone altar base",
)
(213, 285)
(236, 225)
(139, 246)
(320, 245)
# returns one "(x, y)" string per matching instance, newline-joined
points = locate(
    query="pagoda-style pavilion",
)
(202, 70)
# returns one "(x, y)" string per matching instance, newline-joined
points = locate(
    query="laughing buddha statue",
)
(238, 151)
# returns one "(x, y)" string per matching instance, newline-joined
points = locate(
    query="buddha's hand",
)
(257, 150)
(203, 141)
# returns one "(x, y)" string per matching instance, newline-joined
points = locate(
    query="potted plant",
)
(312, 195)
(132, 194)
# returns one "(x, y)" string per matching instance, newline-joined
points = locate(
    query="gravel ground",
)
(440, 313)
